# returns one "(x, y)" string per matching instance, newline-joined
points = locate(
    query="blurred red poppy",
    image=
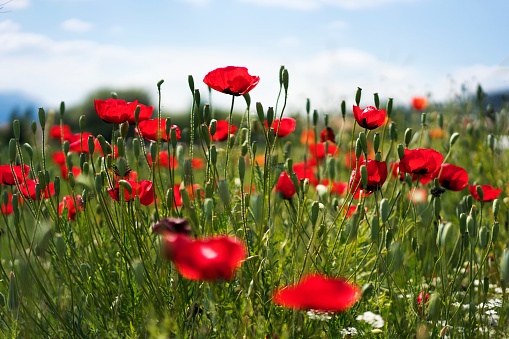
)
(145, 190)
(337, 187)
(164, 160)
(68, 202)
(115, 110)
(222, 130)
(377, 174)
(453, 177)
(327, 135)
(148, 129)
(209, 259)
(420, 304)
(318, 292)
(73, 137)
(198, 163)
(370, 117)
(7, 177)
(145, 114)
(58, 158)
(352, 208)
(231, 80)
(419, 197)
(303, 171)
(81, 144)
(28, 190)
(419, 103)
(285, 186)
(286, 127)
(421, 161)
(489, 192)
(65, 172)
(55, 131)
(318, 150)
(7, 209)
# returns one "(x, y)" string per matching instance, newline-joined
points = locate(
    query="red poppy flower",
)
(337, 187)
(377, 173)
(231, 80)
(453, 177)
(198, 163)
(285, 186)
(489, 192)
(327, 135)
(148, 129)
(145, 114)
(222, 130)
(305, 171)
(28, 190)
(68, 202)
(320, 293)
(370, 117)
(130, 175)
(58, 158)
(287, 126)
(55, 131)
(72, 137)
(7, 177)
(423, 178)
(115, 110)
(7, 209)
(419, 103)
(209, 259)
(420, 304)
(65, 172)
(164, 160)
(421, 161)
(145, 190)
(318, 150)
(81, 143)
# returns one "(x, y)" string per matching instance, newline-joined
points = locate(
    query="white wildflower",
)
(374, 320)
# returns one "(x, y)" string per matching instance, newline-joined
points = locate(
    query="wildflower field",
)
(370, 221)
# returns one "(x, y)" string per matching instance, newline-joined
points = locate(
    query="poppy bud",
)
(197, 98)
(121, 147)
(34, 127)
(66, 146)
(29, 150)
(281, 69)
(136, 148)
(14, 203)
(270, 116)
(259, 111)
(469, 202)
(491, 142)
(121, 166)
(213, 127)
(289, 165)
(315, 117)
(343, 109)
(42, 118)
(358, 96)
(483, 237)
(242, 168)
(206, 112)
(358, 148)
(454, 138)
(408, 136)
(13, 297)
(377, 100)
(401, 151)
(98, 183)
(5, 198)
(15, 126)
(72, 180)
(504, 267)
(471, 226)
(384, 210)
(125, 184)
(208, 207)
(173, 137)
(124, 128)
(159, 84)
(393, 132)
(367, 290)
(388, 108)
(271, 136)
(38, 191)
(153, 152)
(414, 244)
(494, 231)
(434, 306)
(62, 109)
(213, 155)
(82, 123)
(12, 150)
(375, 228)
(305, 186)
(315, 208)
(496, 207)
(205, 133)
(285, 79)
(190, 81)
(423, 119)
(463, 223)
(103, 144)
(224, 192)
(331, 168)
(389, 234)
(42, 179)
(376, 142)
(364, 176)
(188, 171)
(364, 143)
(378, 156)
(308, 106)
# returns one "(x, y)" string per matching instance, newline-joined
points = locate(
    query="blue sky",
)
(58, 50)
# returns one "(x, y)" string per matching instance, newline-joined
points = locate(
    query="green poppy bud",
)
(82, 123)
(29, 150)
(247, 98)
(315, 208)
(494, 231)
(401, 151)
(153, 152)
(377, 100)
(208, 207)
(471, 227)
(375, 228)
(72, 179)
(331, 168)
(358, 148)
(14, 203)
(364, 143)
(206, 112)
(103, 144)
(136, 148)
(393, 132)
(315, 117)
(213, 126)
(378, 156)
(34, 127)
(281, 69)
(98, 183)
(423, 119)
(408, 136)
(364, 176)
(437, 205)
(463, 223)
(343, 109)
(190, 81)
(440, 120)
(13, 297)
(270, 116)
(205, 134)
(42, 118)
(197, 98)
(62, 109)
(376, 142)
(173, 137)
(504, 267)
(384, 210)
(388, 108)
(289, 165)
(308, 106)
(305, 186)
(389, 235)
(224, 192)
(454, 138)
(38, 191)
(12, 150)
(15, 126)
(242, 168)
(121, 147)
(285, 79)
(496, 208)
(414, 244)
(259, 111)
(126, 185)
(159, 84)
(483, 237)
(358, 96)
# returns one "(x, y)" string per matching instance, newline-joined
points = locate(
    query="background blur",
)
(65, 50)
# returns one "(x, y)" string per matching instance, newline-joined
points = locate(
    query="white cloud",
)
(314, 4)
(68, 70)
(76, 25)
(338, 25)
(14, 4)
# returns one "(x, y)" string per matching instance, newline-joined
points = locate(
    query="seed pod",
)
(471, 227)
(483, 237)
(384, 210)
(375, 228)
(454, 138)
(358, 96)
(423, 119)
(408, 136)
(42, 118)
(393, 132)
(496, 208)
(401, 151)
(376, 142)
